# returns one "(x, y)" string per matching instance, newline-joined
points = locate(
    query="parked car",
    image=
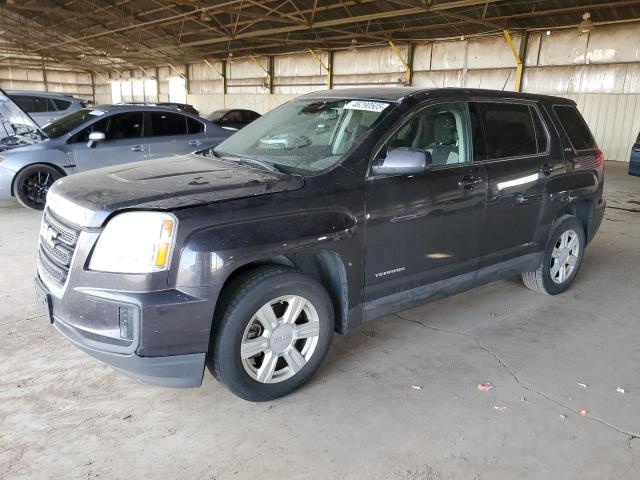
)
(45, 107)
(98, 137)
(248, 260)
(17, 128)
(634, 161)
(233, 118)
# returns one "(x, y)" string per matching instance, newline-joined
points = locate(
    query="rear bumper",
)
(596, 221)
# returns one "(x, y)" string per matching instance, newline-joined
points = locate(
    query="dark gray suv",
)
(331, 210)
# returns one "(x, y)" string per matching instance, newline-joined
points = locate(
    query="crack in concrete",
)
(631, 435)
(21, 320)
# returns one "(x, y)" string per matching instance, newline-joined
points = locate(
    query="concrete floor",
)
(65, 415)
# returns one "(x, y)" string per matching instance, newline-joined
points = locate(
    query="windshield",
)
(305, 135)
(16, 127)
(65, 124)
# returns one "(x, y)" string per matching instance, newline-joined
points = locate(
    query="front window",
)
(70, 122)
(305, 135)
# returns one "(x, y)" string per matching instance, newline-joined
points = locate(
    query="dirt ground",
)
(398, 399)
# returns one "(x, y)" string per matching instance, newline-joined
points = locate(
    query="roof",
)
(42, 94)
(104, 35)
(395, 94)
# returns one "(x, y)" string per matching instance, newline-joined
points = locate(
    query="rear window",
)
(509, 130)
(61, 104)
(31, 104)
(575, 126)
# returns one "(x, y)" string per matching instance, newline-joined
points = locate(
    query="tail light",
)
(600, 160)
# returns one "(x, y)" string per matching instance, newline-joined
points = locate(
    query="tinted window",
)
(441, 130)
(575, 126)
(83, 135)
(194, 126)
(124, 125)
(31, 104)
(233, 116)
(61, 104)
(164, 123)
(248, 116)
(509, 130)
(541, 134)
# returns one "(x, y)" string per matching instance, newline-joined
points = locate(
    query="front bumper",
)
(98, 331)
(6, 180)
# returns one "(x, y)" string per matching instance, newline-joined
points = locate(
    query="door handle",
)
(546, 169)
(469, 181)
(521, 199)
(137, 148)
(195, 143)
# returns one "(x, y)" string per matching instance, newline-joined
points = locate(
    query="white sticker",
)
(368, 105)
(97, 113)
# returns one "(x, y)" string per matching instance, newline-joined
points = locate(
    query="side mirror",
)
(403, 161)
(95, 137)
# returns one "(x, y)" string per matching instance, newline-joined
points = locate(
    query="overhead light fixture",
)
(354, 44)
(548, 32)
(586, 25)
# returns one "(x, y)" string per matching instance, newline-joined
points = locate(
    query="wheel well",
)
(324, 266)
(583, 211)
(57, 167)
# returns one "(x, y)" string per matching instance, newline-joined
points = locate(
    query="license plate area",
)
(43, 297)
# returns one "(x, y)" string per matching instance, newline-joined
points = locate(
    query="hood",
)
(17, 128)
(87, 199)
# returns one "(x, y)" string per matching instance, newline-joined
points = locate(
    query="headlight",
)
(135, 242)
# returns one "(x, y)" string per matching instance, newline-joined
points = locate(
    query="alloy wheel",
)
(36, 186)
(564, 256)
(280, 339)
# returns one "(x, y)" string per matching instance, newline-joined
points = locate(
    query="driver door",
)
(426, 227)
(123, 143)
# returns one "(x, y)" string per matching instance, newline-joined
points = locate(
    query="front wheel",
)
(274, 331)
(562, 258)
(32, 184)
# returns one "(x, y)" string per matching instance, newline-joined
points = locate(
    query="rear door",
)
(519, 162)
(173, 134)
(426, 227)
(123, 142)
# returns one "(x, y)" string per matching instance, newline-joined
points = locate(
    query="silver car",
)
(92, 138)
(45, 107)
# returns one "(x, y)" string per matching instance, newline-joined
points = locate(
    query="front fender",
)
(209, 256)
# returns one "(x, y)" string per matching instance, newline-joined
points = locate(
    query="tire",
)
(288, 355)
(32, 183)
(549, 278)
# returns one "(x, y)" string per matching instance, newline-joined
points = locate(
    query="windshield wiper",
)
(246, 160)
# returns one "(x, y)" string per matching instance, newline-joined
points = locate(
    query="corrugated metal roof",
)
(147, 33)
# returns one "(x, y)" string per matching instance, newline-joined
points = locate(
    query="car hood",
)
(87, 199)
(17, 128)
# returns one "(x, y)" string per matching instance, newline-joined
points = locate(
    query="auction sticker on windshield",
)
(367, 105)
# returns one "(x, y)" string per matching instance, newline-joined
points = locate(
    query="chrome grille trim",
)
(58, 240)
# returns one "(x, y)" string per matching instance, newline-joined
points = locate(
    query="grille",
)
(57, 243)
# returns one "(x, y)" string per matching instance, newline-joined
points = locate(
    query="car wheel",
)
(32, 183)
(273, 331)
(562, 258)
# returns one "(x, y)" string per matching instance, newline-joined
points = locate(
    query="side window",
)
(61, 104)
(83, 135)
(442, 130)
(248, 116)
(233, 116)
(165, 123)
(124, 125)
(31, 104)
(194, 126)
(509, 130)
(541, 133)
(575, 126)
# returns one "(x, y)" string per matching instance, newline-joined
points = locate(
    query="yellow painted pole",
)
(407, 71)
(516, 55)
(325, 67)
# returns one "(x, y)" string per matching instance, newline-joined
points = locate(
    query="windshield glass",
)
(69, 122)
(305, 135)
(16, 128)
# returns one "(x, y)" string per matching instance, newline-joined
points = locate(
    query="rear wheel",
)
(562, 258)
(32, 184)
(273, 333)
